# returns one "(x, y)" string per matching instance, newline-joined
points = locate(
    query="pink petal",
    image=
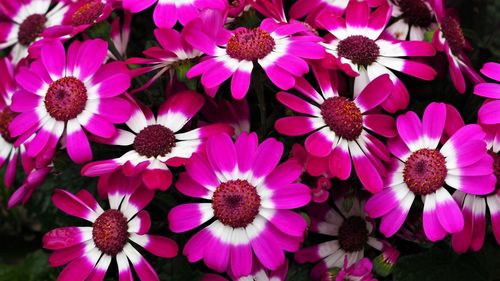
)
(157, 179)
(53, 57)
(448, 212)
(320, 143)
(77, 144)
(72, 205)
(189, 216)
(296, 125)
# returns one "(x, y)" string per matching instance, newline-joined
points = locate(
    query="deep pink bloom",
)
(352, 232)
(88, 250)
(360, 271)
(413, 18)
(489, 112)
(340, 127)
(249, 214)
(258, 273)
(61, 93)
(361, 49)
(450, 39)
(156, 143)
(424, 167)
(280, 49)
(22, 23)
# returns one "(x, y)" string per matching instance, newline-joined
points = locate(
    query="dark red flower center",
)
(359, 49)
(250, 44)
(496, 169)
(31, 28)
(453, 34)
(88, 13)
(416, 12)
(6, 116)
(236, 203)
(343, 117)
(425, 171)
(154, 141)
(110, 232)
(353, 234)
(66, 98)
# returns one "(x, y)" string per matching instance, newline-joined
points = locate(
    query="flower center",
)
(415, 12)
(31, 28)
(236, 203)
(88, 13)
(359, 49)
(250, 44)
(6, 116)
(353, 234)
(154, 141)
(66, 98)
(453, 34)
(425, 171)
(496, 169)
(343, 117)
(110, 232)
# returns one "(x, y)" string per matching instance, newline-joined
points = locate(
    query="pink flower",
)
(61, 93)
(360, 271)
(424, 167)
(339, 127)
(488, 113)
(362, 50)
(156, 142)
(248, 214)
(353, 233)
(279, 49)
(450, 39)
(413, 19)
(88, 250)
(259, 273)
(22, 23)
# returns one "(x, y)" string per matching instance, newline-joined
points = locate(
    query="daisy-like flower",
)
(22, 23)
(488, 113)
(156, 142)
(413, 19)
(258, 274)
(360, 49)
(247, 212)
(423, 167)
(353, 233)
(450, 39)
(173, 54)
(276, 47)
(168, 12)
(340, 127)
(88, 250)
(474, 206)
(61, 93)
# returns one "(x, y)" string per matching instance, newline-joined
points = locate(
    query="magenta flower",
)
(248, 210)
(474, 206)
(61, 93)
(488, 113)
(157, 142)
(360, 271)
(353, 232)
(450, 39)
(340, 127)
(413, 19)
(424, 167)
(258, 273)
(22, 23)
(279, 49)
(88, 250)
(362, 50)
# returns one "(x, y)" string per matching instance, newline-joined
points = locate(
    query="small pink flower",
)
(339, 127)
(422, 166)
(63, 92)
(361, 49)
(489, 112)
(88, 250)
(156, 143)
(413, 19)
(248, 214)
(280, 49)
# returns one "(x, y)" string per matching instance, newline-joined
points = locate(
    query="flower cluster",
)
(213, 97)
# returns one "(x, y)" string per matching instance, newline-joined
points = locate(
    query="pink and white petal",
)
(482, 167)
(375, 93)
(65, 237)
(433, 123)
(96, 125)
(240, 83)
(124, 272)
(405, 48)
(478, 185)
(466, 154)
(157, 245)
(448, 212)
(335, 24)
(298, 125)
(279, 76)
(297, 104)
(267, 251)
(81, 268)
(89, 200)
(392, 221)
(365, 169)
(179, 109)
(217, 251)
(72, 205)
(357, 15)
(143, 269)
(479, 233)
(284, 174)
(195, 247)
(24, 101)
(381, 124)
(31, 82)
(385, 201)
(205, 132)
(189, 216)
(339, 162)
(455, 73)
(494, 207)
(100, 268)
(246, 145)
(286, 221)
(137, 201)
(432, 226)
(53, 57)
(96, 49)
(317, 252)
(410, 130)
(378, 21)
(488, 113)
(267, 156)
(321, 143)
(291, 196)
(187, 186)
(137, 121)
(201, 171)
(413, 68)
(77, 143)
(220, 72)
(241, 253)
(42, 137)
(221, 154)
(293, 64)
(140, 224)
(461, 241)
